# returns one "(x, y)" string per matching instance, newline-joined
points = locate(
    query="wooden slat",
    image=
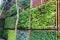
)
(57, 35)
(29, 26)
(59, 15)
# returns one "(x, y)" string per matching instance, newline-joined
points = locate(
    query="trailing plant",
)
(11, 11)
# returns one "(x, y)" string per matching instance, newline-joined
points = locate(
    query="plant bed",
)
(10, 22)
(22, 35)
(11, 34)
(42, 35)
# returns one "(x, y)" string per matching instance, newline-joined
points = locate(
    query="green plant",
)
(59, 35)
(22, 35)
(42, 16)
(5, 34)
(11, 11)
(11, 34)
(42, 35)
(1, 31)
(24, 3)
(23, 20)
(10, 22)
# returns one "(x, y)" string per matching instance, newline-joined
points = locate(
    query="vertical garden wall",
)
(37, 21)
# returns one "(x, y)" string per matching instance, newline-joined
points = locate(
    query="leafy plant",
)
(42, 16)
(42, 35)
(24, 3)
(10, 22)
(1, 32)
(11, 11)
(22, 35)
(23, 20)
(5, 34)
(59, 35)
(11, 34)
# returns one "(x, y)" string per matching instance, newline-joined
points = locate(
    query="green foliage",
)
(11, 11)
(42, 16)
(5, 34)
(23, 20)
(0, 6)
(10, 22)
(42, 35)
(1, 32)
(22, 35)
(59, 35)
(11, 34)
(24, 3)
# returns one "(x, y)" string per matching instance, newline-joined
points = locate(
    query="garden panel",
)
(42, 35)
(43, 16)
(22, 35)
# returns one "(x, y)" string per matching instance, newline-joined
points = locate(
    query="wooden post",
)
(33, 3)
(17, 19)
(59, 14)
(50, 0)
(57, 18)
